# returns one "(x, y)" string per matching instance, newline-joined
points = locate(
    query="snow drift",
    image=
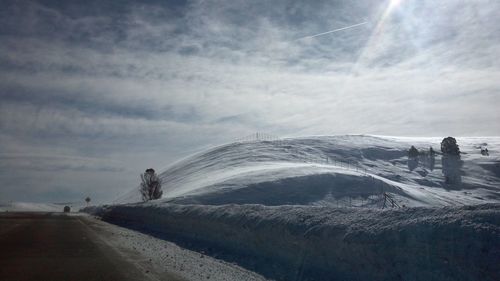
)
(271, 206)
(323, 243)
(329, 170)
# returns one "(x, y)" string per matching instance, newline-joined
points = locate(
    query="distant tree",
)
(412, 158)
(449, 146)
(150, 186)
(450, 162)
(87, 200)
(413, 152)
(432, 153)
(432, 158)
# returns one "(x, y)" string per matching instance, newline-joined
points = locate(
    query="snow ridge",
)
(323, 243)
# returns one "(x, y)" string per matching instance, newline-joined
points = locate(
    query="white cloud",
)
(146, 86)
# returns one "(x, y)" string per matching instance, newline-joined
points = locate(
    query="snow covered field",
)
(331, 171)
(310, 208)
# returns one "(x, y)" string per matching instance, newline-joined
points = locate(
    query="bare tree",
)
(150, 186)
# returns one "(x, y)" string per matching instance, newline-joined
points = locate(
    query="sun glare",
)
(394, 3)
(391, 5)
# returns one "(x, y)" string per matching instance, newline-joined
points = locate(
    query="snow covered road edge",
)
(319, 243)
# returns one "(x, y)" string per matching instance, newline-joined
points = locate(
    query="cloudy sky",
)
(94, 92)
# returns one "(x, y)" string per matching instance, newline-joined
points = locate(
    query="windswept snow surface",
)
(296, 232)
(353, 170)
(325, 243)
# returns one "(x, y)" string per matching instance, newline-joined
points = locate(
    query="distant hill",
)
(351, 170)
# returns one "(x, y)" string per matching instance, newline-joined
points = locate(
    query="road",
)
(56, 246)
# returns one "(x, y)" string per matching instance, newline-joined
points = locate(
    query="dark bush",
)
(413, 152)
(450, 162)
(449, 146)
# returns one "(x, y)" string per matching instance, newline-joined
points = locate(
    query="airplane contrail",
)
(332, 31)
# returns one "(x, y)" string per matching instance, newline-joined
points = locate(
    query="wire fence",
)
(258, 137)
(378, 198)
(371, 201)
(300, 156)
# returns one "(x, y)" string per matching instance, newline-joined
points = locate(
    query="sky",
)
(94, 92)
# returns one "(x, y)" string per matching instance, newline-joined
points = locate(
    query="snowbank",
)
(320, 243)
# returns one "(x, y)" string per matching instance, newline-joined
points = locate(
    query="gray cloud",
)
(134, 85)
(55, 163)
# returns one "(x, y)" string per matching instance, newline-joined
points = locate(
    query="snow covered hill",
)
(352, 170)
(270, 206)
